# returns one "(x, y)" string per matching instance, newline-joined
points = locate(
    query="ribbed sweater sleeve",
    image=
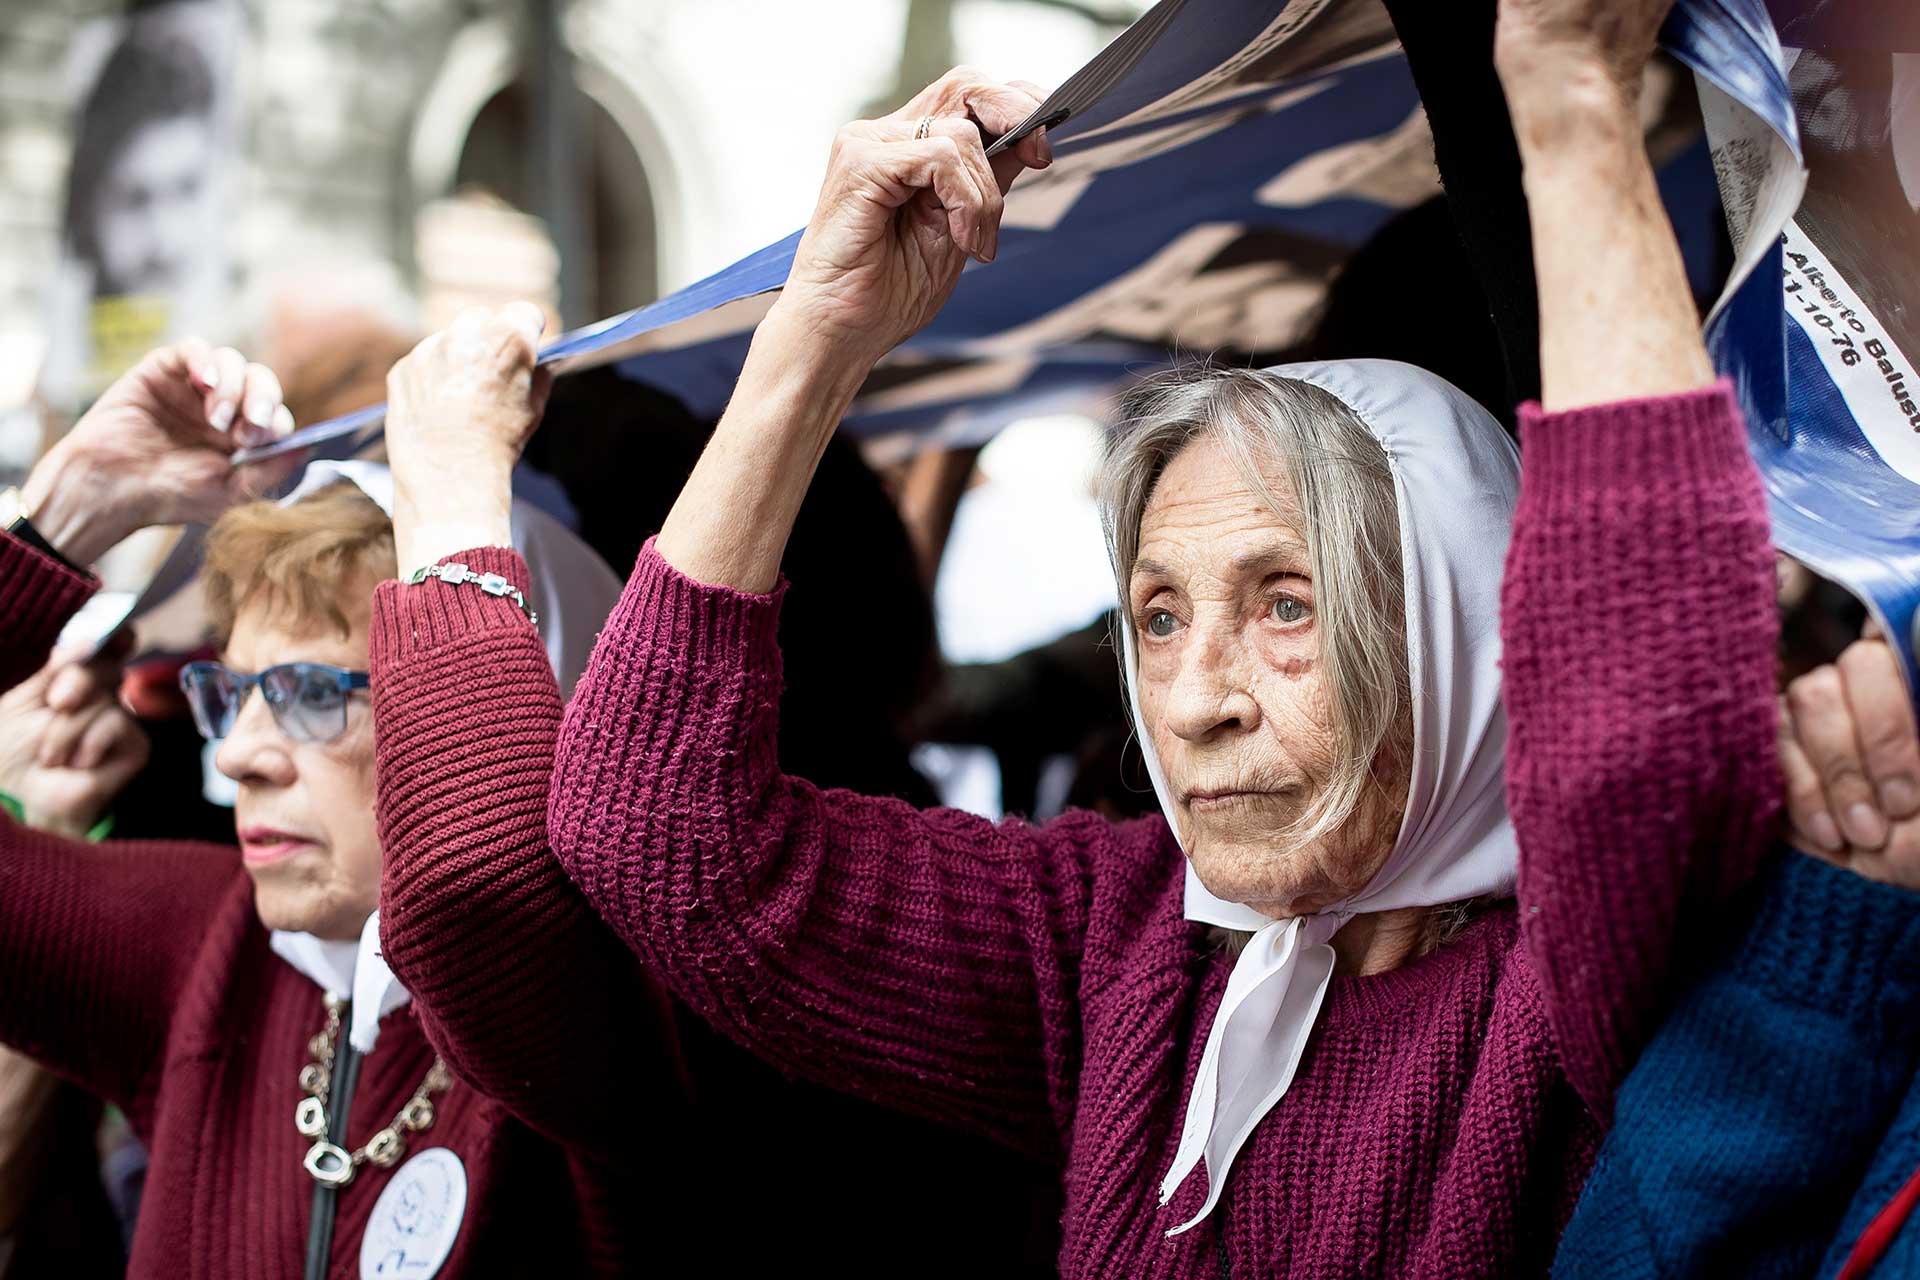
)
(1755, 1111)
(517, 983)
(96, 941)
(40, 595)
(930, 959)
(1638, 631)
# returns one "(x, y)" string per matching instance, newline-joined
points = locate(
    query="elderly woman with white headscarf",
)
(1400, 1072)
(472, 1079)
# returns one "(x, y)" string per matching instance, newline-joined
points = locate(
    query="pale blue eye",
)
(1288, 609)
(1160, 623)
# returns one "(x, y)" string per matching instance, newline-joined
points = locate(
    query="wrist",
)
(795, 352)
(419, 545)
(471, 506)
(54, 824)
(1566, 102)
(72, 826)
(68, 502)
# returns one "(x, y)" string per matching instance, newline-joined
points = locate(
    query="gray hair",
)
(1342, 482)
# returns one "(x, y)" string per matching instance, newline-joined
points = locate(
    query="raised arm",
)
(519, 986)
(907, 200)
(95, 940)
(1637, 616)
(928, 959)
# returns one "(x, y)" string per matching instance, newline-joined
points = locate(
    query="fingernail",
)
(1825, 834)
(259, 412)
(1898, 796)
(210, 376)
(222, 416)
(1864, 826)
(283, 421)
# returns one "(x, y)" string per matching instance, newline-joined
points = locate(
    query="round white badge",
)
(416, 1219)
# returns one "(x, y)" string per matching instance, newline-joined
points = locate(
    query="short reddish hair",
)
(301, 560)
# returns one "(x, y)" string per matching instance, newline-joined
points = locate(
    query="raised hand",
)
(1851, 756)
(460, 407)
(156, 449)
(1548, 38)
(66, 746)
(907, 199)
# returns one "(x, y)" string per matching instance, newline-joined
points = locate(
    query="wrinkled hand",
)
(1851, 756)
(155, 449)
(460, 407)
(899, 215)
(1545, 46)
(66, 746)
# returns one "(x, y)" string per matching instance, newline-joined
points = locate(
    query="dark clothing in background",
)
(859, 638)
(1777, 1111)
(68, 1227)
(1046, 702)
(1449, 50)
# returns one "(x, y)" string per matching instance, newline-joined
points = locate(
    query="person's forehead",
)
(264, 636)
(1205, 504)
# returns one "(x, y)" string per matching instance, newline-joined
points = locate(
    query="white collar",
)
(353, 971)
(1456, 479)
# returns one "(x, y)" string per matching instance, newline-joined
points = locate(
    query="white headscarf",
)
(573, 591)
(1456, 478)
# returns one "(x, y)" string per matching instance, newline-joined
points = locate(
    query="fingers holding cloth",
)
(157, 448)
(908, 199)
(460, 407)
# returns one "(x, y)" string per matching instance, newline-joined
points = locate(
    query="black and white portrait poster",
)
(153, 155)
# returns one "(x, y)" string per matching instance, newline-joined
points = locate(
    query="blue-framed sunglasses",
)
(308, 699)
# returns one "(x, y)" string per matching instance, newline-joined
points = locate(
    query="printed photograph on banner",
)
(1303, 39)
(141, 261)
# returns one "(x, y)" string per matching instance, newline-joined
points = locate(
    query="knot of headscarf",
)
(1456, 478)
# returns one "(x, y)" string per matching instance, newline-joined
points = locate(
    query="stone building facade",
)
(703, 123)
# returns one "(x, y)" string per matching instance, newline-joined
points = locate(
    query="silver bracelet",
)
(453, 573)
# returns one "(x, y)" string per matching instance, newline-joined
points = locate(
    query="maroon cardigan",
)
(140, 970)
(1040, 984)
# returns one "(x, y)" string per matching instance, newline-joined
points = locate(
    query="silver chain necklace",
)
(331, 1164)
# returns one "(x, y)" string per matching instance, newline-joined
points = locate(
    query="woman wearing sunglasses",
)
(479, 1092)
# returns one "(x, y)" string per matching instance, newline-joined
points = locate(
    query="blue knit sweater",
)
(1778, 1109)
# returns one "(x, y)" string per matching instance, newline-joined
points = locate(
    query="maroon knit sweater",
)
(140, 970)
(1040, 983)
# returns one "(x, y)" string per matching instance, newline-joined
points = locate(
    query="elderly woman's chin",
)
(1246, 852)
(305, 893)
(1261, 870)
